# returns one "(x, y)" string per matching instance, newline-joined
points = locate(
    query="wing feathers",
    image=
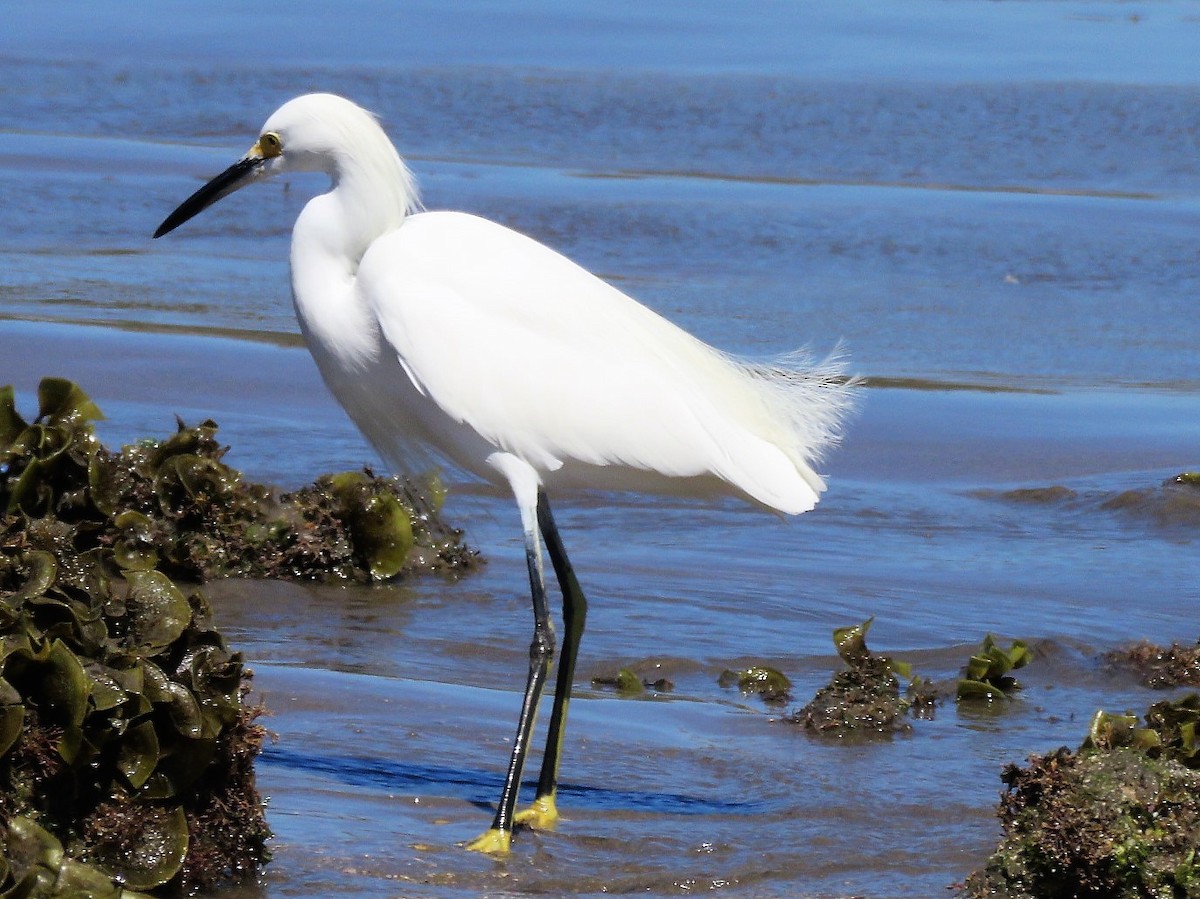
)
(551, 364)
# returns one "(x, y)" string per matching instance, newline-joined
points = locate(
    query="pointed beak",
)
(243, 172)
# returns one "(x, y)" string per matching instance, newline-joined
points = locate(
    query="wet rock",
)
(1158, 667)
(628, 683)
(1120, 818)
(864, 699)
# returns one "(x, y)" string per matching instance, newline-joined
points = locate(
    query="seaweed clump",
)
(629, 684)
(126, 744)
(1119, 818)
(175, 506)
(988, 674)
(1158, 667)
(863, 699)
(769, 684)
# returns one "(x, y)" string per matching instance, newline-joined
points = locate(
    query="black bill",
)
(237, 175)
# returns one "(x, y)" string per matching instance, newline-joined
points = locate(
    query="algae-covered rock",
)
(864, 699)
(126, 746)
(626, 682)
(629, 684)
(1115, 824)
(174, 504)
(1120, 818)
(1160, 667)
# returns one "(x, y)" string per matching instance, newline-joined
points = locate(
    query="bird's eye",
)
(270, 145)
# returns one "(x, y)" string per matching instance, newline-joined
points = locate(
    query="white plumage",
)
(444, 331)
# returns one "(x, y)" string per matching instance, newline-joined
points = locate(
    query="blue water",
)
(994, 206)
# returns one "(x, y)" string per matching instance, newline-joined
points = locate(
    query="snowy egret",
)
(449, 332)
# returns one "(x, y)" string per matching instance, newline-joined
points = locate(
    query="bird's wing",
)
(541, 358)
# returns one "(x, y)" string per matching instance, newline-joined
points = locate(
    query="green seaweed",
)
(176, 506)
(116, 704)
(987, 673)
(1171, 731)
(769, 684)
(865, 698)
(1119, 818)
(126, 744)
(36, 865)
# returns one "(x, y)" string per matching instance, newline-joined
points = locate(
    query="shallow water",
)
(993, 205)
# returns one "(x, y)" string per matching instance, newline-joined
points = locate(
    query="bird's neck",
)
(371, 196)
(324, 262)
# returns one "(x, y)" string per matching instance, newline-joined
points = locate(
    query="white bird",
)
(447, 331)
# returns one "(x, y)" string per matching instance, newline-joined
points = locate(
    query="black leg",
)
(544, 811)
(541, 651)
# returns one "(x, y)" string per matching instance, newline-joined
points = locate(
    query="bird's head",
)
(312, 133)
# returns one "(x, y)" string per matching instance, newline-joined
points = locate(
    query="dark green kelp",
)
(175, 506)
(127, 747)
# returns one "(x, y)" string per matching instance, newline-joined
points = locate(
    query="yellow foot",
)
(542, 815)
(493, 842)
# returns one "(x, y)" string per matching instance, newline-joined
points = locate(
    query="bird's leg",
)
(497, 839)
(544, 812)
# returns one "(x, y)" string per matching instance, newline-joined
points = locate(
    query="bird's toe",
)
(541, 815)
(493, 841)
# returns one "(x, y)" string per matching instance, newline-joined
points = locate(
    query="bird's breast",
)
(401, 422)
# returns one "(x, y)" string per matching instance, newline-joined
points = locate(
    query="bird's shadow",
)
(480, 788)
